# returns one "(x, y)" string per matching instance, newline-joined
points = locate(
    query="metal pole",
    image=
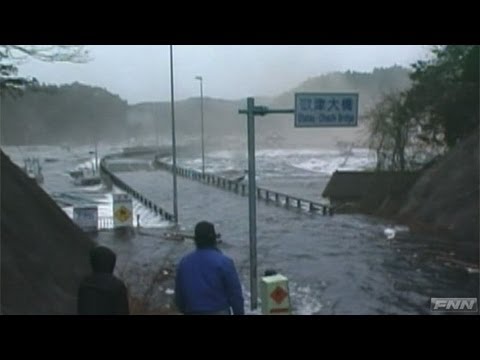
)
(203, 143)
(157, 125)
(96, 156)
(252, 205)
(200, 78)
(251, 111)
(174, 145)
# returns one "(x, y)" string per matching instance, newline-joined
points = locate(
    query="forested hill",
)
(50, 114)
(222, 118)
(78, 113)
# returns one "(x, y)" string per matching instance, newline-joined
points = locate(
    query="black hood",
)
(102, 260)
(205, 236)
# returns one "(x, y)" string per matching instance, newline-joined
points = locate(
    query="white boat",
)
(234, 175)
(87, 180)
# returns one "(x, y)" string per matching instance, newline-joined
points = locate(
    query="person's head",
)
(205, 236)
(102, 260)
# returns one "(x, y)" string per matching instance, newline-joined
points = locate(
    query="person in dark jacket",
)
(206, 281)
(102, 293)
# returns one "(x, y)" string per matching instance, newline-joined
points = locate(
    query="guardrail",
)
(115, 180)
(105, 222)
(267, 195)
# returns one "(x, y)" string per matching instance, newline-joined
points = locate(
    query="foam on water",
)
(281, 162)
(285, 153)
(328, 165)
(304, 300)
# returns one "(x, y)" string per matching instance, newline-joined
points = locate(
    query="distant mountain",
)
(369, 85)
(221, 119)
(224, 126)
(80, 113)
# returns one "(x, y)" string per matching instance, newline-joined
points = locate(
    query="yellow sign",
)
(123, 214)
(122, 211)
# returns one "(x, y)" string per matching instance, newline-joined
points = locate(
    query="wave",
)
(329, 166)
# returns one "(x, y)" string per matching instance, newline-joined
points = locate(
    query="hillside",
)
(44, 255)
(73, 114)
(445, 198)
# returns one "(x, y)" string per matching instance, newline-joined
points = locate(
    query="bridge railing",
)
(267, 195)
(115, 180)
(105, 222)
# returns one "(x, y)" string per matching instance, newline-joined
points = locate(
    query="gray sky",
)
(141, 72)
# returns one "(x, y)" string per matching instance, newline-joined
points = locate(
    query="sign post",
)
(311, 110)
(122, 211)
(174, 144)
(252, 205)
(251, 111)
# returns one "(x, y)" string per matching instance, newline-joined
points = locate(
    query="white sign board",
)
(86, 218)
(326, 109)
(275, 295)
(122, 211)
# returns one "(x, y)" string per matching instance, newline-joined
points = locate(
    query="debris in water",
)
(472, 270)
(389, 233)
(169, 292)
(401, 228)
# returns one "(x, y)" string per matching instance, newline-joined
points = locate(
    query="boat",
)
(76, 173)
(234, 175)
(88, 180)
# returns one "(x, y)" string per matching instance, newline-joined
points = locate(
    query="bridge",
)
(112, 174)
(266, 195)
(113, 179)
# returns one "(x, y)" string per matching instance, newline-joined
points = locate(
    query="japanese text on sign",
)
(326, 109)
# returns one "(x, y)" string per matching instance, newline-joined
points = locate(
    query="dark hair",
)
(205, 235)
(102, 259)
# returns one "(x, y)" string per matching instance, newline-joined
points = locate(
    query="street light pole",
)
(174, 145)
(200, 78)
(96, 156)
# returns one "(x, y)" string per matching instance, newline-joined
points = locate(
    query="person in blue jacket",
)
(206, 281)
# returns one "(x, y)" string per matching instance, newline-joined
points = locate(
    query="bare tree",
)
(390, 130)
(13, 55)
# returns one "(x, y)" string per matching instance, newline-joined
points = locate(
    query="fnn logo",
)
(454, 304)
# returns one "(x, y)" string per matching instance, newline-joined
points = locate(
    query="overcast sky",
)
(141, 72)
